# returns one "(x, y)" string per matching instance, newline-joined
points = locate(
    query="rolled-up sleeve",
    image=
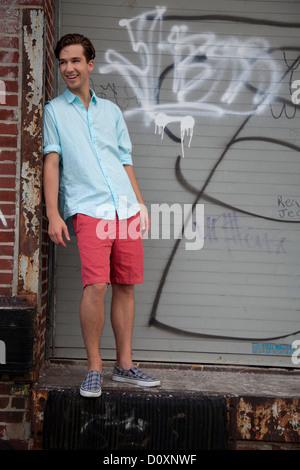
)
(124, 142)
(51, 140)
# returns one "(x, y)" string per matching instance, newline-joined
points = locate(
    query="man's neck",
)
(84, 96)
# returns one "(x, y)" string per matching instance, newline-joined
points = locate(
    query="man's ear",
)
(91, 65)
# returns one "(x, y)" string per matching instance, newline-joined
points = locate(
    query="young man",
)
(89, 177)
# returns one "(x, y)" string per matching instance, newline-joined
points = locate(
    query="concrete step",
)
(196, 407)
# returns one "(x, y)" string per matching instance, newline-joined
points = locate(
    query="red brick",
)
(9, 27)
(7, 182)
(6, 278)
(5, 388)
(10, 57)
(6, 237)
(7, 114)
(7, 168)
(7, 250)
(4, 402)
(7, 196)
(8, 129)
(10, 223)
(6, 265)
(9, 71)
(8, 209)
(9, 42)
(10, 100)
(11, 416)
(11, 15)
(8, 141)
(19, 403)
(8, 155)
(44, 262)
(8, 292)
(30, 2)
(11, 86)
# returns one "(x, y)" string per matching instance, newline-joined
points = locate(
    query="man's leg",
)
(127, 269)
(122, 317)
(92, 321)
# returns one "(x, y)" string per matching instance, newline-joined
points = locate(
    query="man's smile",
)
(71, 77)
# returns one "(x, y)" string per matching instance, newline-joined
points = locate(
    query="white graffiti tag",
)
(176, 74)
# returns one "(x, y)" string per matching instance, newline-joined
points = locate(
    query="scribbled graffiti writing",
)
(227, 229)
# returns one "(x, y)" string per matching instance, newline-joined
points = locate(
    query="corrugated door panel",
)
(206, 90)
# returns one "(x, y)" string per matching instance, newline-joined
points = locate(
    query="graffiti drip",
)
(186, 126)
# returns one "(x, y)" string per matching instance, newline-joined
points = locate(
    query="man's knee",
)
(97, 290)
(123, 289)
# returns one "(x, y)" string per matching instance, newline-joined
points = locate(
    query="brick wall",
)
(9, 140)
(15, 392)
(15, 416)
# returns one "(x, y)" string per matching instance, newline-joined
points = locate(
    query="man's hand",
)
(144, 218)
(57, 228)
(145, 221)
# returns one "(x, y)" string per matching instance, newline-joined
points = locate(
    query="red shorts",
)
(110, 251)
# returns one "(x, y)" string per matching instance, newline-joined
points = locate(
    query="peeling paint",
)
(31, 197)
(31, 150)
(244, 419)
(29, 272)
(39, 398)
(33, 128)
(269, 419)
(34, 50)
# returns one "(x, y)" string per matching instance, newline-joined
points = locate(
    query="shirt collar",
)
(70, 97)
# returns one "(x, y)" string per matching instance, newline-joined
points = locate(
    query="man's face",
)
(74, 67)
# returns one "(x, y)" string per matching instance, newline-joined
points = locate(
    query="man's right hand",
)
(57, 228)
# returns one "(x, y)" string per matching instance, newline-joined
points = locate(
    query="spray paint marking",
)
(186, 126)
(2, 218)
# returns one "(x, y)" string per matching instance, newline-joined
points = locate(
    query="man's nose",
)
(69, 67)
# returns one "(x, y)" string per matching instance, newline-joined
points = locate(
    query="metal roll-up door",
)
(209, 94)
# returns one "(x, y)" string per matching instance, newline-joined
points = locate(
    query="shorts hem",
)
(126, 281)
(112, 281)
(89, 282)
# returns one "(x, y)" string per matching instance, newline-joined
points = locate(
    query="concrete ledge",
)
(263, 404)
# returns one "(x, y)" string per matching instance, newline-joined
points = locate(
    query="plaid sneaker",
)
(134, 376)
(91, 386)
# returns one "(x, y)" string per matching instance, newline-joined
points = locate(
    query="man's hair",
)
(72, 39)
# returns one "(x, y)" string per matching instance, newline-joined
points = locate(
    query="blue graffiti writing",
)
(227, 230)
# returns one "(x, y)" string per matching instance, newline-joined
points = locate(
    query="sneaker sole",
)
(85, 393)
(141, 383)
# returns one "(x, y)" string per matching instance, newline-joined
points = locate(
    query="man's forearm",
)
(145, 221)
(51, 184)
(57, 226)
(132, 177)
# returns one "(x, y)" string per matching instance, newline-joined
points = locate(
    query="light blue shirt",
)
(93, 146)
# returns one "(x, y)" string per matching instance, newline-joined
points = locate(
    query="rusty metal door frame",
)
(51, 296)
